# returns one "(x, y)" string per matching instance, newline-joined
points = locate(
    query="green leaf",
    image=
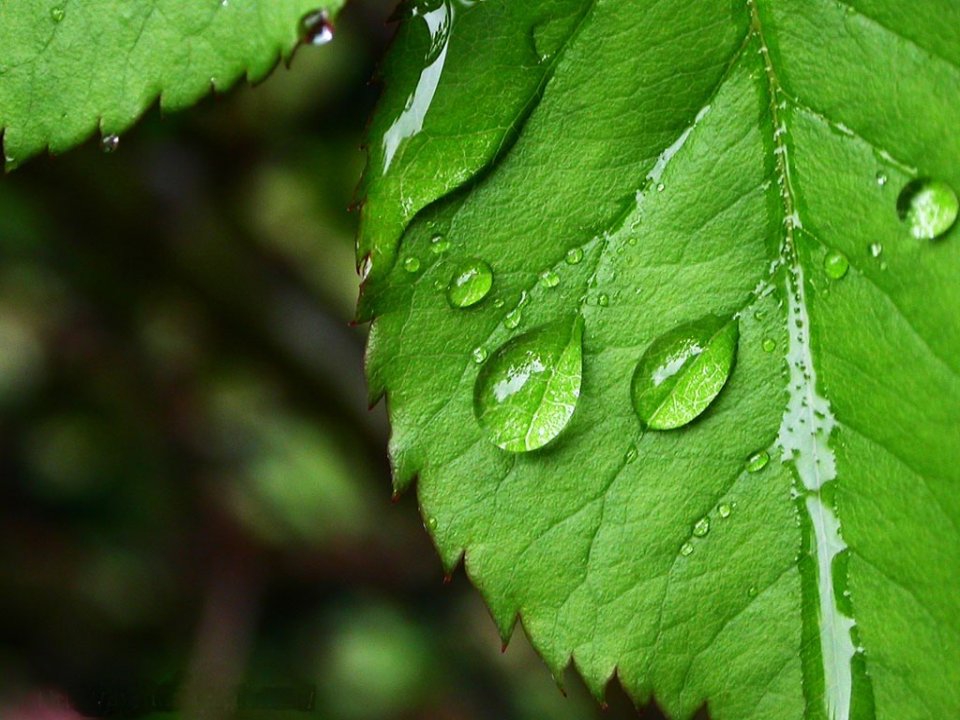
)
(69, 67)
(793, 552)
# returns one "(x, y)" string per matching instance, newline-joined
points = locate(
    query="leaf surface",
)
(71, 67)
(670, 161)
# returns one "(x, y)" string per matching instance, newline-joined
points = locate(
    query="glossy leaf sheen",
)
(70, 68)
(695, 158)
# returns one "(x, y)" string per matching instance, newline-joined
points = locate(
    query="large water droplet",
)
(316, 28)
(526, 392)
(835, 264)
(929, 207)
(683, 371)
(470, 283)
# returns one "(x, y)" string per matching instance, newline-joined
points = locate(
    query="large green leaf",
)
(700, 159)
(71, 67)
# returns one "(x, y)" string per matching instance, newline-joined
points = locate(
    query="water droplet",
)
(702, 527)
(470, 283)
(876, 249)
(316, 28)
(724, 510)
(366, 265)
(881, 179)
(527, 391)
(411, 264)
(683, 371)
(512, 319)
(549, 279)
(835, 264)
(432, 523)
(758, 461)
(109, 143)
(603, 300)
(57, 13)
(769, 345)
(686, 549)
(574, 255)
(929, 207)
(439, 244)
(660, 187)
(631, 454)
(479, 355)
(752, 591)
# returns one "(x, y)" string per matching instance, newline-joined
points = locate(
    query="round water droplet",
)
(928, 207)
(109, 143)
(411, 264)
(835, 264)
(603, 300)
(881, 179)
(769, 345)
(702, 527)
(686, 549)
(683, 371)
(574, 255)
(439, 244)
(479, 355)
(660, 187)
(724, 510)
(432, 523)
(527, 391)
(758, 461)
(470, 283)
(316, 28)
(549, 279)
(512, 319)
(876, 249)
(752, 591)
(57, 13)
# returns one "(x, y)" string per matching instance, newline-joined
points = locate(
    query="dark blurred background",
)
(194, 499)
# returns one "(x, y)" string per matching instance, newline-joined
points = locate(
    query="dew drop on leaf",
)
(686, 549)
(758, 461)
(57, 13)
(881, 179)
(549, 279)
(603, 300)
(769, 345)
(526, 393)
(835, 264)
(876, 249)
(724, 510)
(109, 143)
(512, 319)
(683, 371)
(470, 283)
(702, 527)
(411, 264)
(928, 207)
(316, 28)
(631, 454)
(574, 256)
(439, 244)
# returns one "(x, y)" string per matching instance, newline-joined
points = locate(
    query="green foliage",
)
(791, 552)
(69, 68)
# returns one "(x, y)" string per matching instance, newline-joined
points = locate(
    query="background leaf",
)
(679, 159)
(68, 68)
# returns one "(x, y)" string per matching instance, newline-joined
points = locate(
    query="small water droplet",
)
(724, 510)
(479, 355)
(512, 319)
(574, 255)
(316, 28)
(109, 143)
(835, 264)
(769, 345)
(57, 13)
(758, 461)
(526, 393)
(470, 283)
(881, 179)
(752, 591)
(686, 549)
(499, 303)
(876, 249)
(549, 279)
(439, 244)
(411, 264)
(683, 371)
(702, 527)
(432, 523)
(366, 265)
(660, 187)
(928, 207)
(603, 300)
(631, 454)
